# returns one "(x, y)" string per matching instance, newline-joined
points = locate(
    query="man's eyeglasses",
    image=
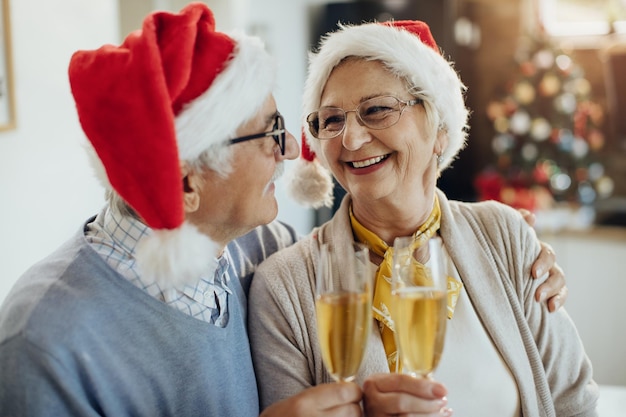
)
(376, 113)
(278, 133)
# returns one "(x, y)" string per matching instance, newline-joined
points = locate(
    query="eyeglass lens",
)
(375, 113)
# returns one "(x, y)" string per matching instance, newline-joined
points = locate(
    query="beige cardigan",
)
(493, 250)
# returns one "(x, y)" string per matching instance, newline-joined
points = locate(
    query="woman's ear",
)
(191, 188)
(441, 142)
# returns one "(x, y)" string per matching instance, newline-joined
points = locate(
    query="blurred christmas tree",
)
(548, 135)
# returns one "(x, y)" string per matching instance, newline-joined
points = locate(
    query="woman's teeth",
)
(368, 162)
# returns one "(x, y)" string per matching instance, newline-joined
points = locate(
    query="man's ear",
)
(191, 188)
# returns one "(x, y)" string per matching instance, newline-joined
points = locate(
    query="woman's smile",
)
(368, 162)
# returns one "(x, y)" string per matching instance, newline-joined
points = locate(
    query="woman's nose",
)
(355, 133)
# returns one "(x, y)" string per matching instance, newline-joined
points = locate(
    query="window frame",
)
(547, 13)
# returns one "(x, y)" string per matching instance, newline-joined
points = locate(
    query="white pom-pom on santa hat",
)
(311, 184)
(174, 258)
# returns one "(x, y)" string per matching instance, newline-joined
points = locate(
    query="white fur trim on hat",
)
(234, 97)
(178, 257)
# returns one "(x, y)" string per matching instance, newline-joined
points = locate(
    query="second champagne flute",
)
(343, 306)
(419, 293)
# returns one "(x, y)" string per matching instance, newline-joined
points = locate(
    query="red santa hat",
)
(409, 50)
(172, 91)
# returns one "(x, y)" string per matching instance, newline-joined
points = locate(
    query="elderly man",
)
(143, 311)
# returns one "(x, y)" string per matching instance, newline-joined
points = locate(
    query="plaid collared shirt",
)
(114, 237)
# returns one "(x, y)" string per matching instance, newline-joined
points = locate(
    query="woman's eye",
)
(331, 122)
(376, 111)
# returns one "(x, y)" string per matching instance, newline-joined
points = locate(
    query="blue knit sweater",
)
(77, 339)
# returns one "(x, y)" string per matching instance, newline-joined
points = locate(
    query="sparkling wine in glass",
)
(343, 306)
(419, 294)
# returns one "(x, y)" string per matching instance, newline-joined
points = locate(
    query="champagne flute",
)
(343, 305)
(419, 309)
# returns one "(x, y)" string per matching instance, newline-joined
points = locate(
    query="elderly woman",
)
(386, 114)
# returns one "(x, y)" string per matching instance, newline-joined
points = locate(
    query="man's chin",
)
(270, 213)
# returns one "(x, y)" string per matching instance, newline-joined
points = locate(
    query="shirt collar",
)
(127, 232)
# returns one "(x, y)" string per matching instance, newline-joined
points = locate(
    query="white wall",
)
(594, 263)
(46, 184)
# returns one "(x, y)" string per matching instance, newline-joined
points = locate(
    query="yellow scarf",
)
(382, 285)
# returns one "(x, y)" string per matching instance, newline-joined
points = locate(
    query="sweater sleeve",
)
(552, 342)
(567, 368)
(281, 325)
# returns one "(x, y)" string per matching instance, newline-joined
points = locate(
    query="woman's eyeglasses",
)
(278, 133)
(376, 113)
